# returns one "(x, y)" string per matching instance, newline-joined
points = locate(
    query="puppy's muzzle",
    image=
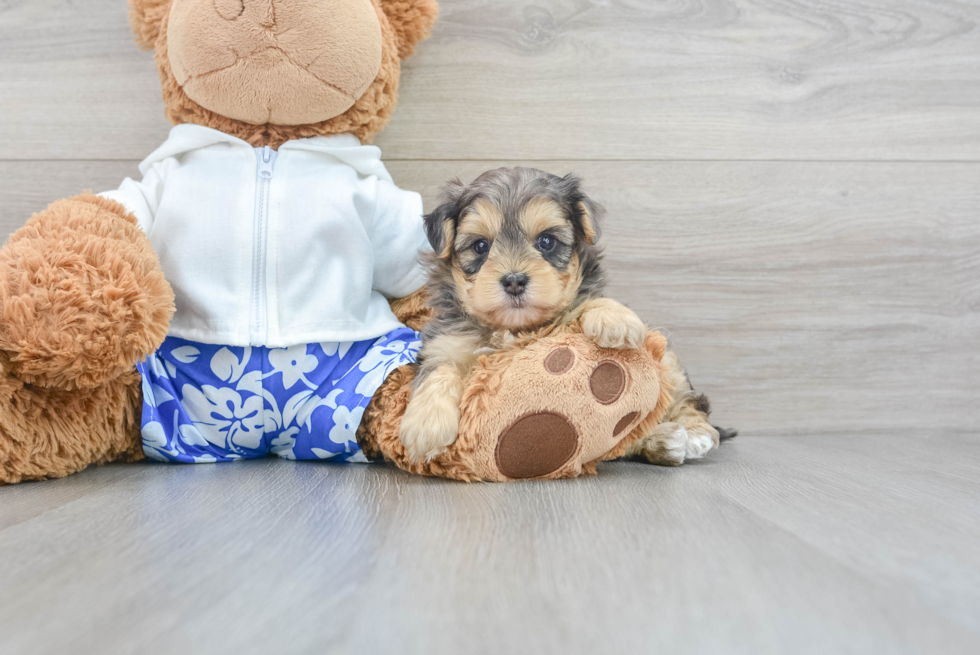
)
(515, 284)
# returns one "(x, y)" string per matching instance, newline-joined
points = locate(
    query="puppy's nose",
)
(514, 283)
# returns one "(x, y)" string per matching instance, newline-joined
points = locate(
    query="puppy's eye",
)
(547, 242)
(481, 247)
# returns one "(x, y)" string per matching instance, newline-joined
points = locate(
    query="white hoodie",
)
(277, 249)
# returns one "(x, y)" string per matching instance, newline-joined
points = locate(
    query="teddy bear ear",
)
(656, 345)
(146, 18)
(412, 21)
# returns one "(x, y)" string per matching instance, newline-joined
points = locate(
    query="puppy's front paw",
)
(612, 325)
(430, 425)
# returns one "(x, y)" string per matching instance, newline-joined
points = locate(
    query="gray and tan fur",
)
(515, 252)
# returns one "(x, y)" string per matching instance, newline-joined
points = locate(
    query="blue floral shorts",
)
(207, 403)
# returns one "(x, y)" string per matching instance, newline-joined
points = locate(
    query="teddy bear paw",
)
(562, 406)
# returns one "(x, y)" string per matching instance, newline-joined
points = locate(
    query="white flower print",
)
(156, 364)
(148, 387)
(226, 365)
(293, 406)
(191, 436)
(156, 444)
(160, 395)
(252, 382)
(223, 417)
(294, 363)
(304, 415)
(345, 421)
(155, 440)
(380, 360)
(283, 444)
(333, 348)
(153, 394)
(185, 354)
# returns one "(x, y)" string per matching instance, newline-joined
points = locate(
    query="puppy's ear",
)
(587, 214)
(440, 225)
(440, 228)
(145, 18)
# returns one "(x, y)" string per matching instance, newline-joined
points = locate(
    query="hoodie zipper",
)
(266, 158)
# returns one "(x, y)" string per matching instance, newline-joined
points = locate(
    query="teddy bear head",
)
(268, 71)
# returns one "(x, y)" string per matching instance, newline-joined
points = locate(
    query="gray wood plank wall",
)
(793, 187)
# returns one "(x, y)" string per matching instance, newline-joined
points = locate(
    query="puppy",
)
(513, 253)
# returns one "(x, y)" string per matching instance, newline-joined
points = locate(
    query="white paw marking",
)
(699, 444)
(676, 445)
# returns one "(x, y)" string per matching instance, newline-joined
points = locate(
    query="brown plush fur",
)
(82, 294)
(412, 21)
(51, 433)
(403, 24)
(414, 310)
(146, 17)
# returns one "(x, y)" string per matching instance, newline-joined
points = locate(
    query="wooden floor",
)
(836, 544)
(794, 197)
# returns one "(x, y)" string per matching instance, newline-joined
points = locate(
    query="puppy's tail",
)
(726, 433)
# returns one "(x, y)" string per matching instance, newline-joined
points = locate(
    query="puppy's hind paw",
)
(701, 441)
(668, 445)
(428, 429)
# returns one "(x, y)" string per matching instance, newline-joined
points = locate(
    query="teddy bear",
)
(258, 292)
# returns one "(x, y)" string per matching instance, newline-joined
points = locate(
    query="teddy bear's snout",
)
(271, 61)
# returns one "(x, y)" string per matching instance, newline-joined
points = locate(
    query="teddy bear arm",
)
(82, 295)
(413, 310)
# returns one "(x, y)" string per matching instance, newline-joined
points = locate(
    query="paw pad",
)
(536, 445)
(607, 382)
(624, 423)
(559, 361)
